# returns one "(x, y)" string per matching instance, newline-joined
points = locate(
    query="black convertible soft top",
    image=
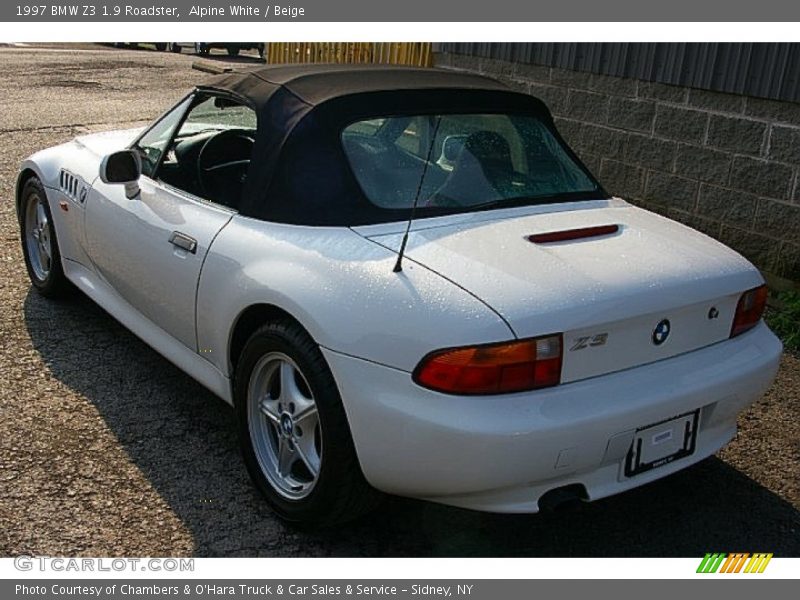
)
(314, 84)
(299, 173)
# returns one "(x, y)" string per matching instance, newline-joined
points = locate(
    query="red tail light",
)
(749, 310)
(493, 368)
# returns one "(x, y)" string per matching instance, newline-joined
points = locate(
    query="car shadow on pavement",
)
(182, 440)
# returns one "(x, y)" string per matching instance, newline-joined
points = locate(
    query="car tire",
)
(175, 47)
(161, 46)
(291, 421)
(233, 50)
(39, 241)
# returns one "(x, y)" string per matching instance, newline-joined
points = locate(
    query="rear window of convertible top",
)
(461, 161)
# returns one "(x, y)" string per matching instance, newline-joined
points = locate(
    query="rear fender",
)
(341, 289)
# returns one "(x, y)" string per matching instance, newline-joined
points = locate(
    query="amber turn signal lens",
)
(493, 368)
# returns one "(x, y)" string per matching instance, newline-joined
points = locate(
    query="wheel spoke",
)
(289, 390)
(41, 216)
(292, 396)
(304, 446)
(285, 457)
(44, 259)
(45, 243)
(270, 411)
(308, 418)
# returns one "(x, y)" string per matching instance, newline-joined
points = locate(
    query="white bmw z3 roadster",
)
(404, 281)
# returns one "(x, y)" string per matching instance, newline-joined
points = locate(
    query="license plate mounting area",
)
(661, 443)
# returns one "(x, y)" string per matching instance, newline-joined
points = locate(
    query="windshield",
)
(462, 161)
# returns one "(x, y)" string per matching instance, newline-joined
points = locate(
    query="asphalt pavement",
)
(106, 449)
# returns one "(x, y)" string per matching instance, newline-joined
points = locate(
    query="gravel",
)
(108, 450)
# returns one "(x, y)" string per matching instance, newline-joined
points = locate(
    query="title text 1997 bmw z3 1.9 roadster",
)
(404, 280)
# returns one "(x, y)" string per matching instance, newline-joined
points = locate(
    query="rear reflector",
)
(749, 310)
(572, 234)
(493, 368)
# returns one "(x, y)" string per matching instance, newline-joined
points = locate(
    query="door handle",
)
(183, 241)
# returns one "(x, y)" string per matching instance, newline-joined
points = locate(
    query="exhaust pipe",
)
(568, 497)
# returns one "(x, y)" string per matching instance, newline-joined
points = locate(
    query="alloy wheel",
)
(38, 237)
(284, 425)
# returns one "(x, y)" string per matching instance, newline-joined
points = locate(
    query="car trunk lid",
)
(614, 295)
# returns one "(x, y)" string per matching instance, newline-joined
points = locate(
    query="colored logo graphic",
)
(661, 332)
(741, 562)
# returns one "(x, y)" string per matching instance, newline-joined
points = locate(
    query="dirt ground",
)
(108, 450)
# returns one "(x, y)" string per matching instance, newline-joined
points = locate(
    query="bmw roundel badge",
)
(661, 332)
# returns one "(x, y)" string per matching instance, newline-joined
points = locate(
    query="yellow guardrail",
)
(417, 54)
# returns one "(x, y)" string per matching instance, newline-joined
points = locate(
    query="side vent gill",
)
(72, 186)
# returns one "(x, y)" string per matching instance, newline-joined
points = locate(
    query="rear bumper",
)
(502, 453)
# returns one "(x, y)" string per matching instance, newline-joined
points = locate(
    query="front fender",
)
(341, 288)
(72, 156)
(47, 165)
(44, 166)
(80, 156)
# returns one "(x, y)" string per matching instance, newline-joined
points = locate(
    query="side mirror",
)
(125, 167)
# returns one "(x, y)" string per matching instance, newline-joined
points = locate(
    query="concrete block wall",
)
(725, 164)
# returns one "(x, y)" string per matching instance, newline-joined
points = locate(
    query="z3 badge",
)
(589, 341)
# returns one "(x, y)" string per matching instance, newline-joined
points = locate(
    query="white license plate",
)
(659, 444)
